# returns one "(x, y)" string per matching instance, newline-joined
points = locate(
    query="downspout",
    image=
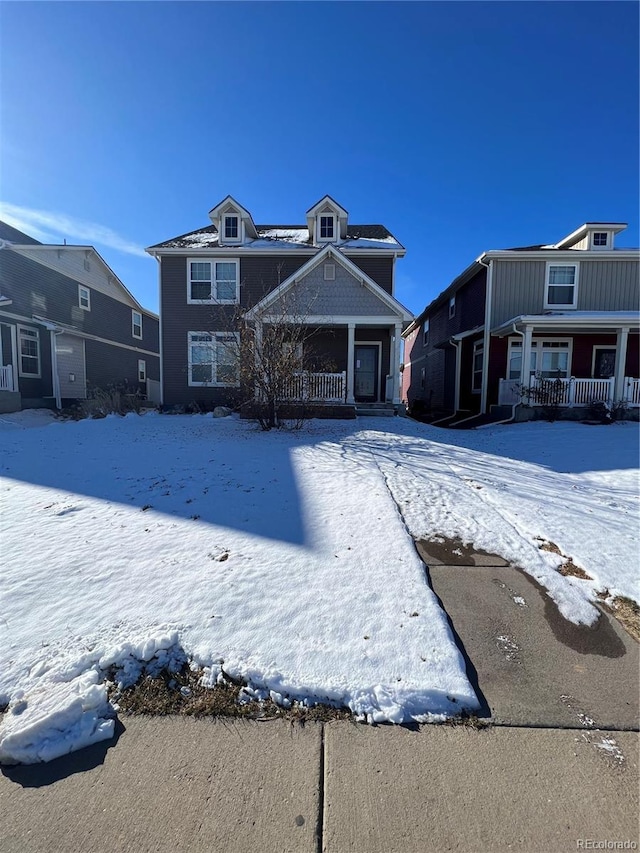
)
(159, 260)
(487, 335)
(456, 393)
(514, 406)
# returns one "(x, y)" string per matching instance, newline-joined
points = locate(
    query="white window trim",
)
(452, 307)
(21, 372)
(86, 307)
(425, 333)
(536, 346)
(592, 239)
(135, 314)
(212, 300)
(142, 369)
(223, 239)
(212, 384)
(334, 219)
(596, 347)
(478, 349)
(554, 306)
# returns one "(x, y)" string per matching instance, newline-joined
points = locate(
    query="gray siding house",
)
(328, 275)
(515, 317)
(67, 324)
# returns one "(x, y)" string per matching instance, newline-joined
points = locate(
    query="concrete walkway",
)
(555, 766)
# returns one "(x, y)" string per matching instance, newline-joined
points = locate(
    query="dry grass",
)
(626, 611)
(568, 567)
(182, 693)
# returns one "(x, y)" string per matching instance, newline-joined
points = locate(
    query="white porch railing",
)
(316, 387)
(6, 378)
(632, 392)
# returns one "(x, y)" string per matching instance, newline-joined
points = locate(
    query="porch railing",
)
(6, 378)
(573, 391)
(316, 387)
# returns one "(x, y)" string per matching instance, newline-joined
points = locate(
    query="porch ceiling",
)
(592, 322)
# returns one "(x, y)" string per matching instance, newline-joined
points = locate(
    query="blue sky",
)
(460, 126)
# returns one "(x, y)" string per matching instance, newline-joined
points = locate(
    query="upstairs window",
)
(425, 332)
(84, 298)
(327, 227)
(212, 281)
(452, 307)
(561, 286)
(29, 345)
(142, 370)
(213, 358)
(231, 227)
(600, 239)
(136, 324)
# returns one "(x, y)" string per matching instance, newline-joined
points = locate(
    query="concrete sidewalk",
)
(178, 784)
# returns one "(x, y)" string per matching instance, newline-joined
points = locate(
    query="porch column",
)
(351, 337)
(395, 363)
(621, 360)
(525, 369)
(14, 356)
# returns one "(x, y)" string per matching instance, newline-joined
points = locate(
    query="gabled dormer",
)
(327, 222)
(234, 223)
(592, 236)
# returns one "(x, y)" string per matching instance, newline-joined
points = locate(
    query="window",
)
(212, 281)
(478, 357)
(452, 307)
(423, 373)
(84, 297)
(425, 332)
(550, 358)
(562, 286)
(213, 358)
(136, 324)
(600, 239)
(326, 227)
(231, 228)
(142, 370)
(329, 272)
(292, 355)
(29, 344)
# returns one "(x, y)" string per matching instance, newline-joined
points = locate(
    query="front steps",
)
(375, 410)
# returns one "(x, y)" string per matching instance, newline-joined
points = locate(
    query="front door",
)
(604, 363)
(366, 374)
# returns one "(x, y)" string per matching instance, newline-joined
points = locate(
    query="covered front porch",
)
(590, 357)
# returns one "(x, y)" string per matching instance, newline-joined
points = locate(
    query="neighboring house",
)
(514, 317)
(67, 323)
(328, 274)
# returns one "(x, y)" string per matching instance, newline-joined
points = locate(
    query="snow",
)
(141, 543)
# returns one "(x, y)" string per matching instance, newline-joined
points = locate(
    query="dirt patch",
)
(182, 693)
(568, 567)
(626, 611)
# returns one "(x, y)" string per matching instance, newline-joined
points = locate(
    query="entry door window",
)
(366, 373)
(604, 366)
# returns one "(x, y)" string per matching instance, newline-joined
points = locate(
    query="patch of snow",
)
(519, 600)
(610, 746)
(289, 235)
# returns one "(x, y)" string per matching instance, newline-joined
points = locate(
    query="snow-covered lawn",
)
(130, 543)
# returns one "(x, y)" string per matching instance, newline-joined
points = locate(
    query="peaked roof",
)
(8, 232)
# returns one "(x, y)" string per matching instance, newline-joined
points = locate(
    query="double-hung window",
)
(212, 281)
(425, 332)
(142, 370)
(231, 227)
(452, 307)
(561, 286)
(327, 227)
(136, 324)
(29, 345)
(84, 297)
(213, 358)
(550, 358)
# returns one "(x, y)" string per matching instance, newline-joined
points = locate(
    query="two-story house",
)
(67, 323)
(567, 310)
(327, 274)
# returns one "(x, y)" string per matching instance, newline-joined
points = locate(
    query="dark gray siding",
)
(379, 269)
(258, 275)
(109, 365)
(603, 285)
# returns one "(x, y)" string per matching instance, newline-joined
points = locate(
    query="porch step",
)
(375, 410)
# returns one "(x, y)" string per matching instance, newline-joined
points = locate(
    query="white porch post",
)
(621, 360)
(396, 364)
(351, 337)
(55, 378)
(14, 356)
(525, 374)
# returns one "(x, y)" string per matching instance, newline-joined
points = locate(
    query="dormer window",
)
(231, 228)
(600, 240)
(327, 227)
